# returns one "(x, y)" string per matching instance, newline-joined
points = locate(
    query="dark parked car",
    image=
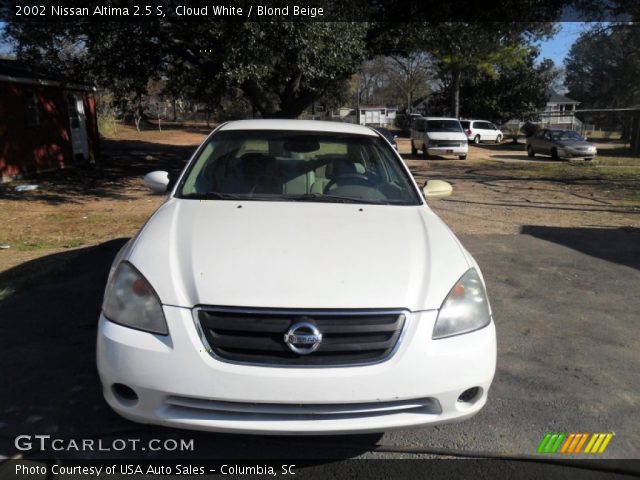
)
(560, 144)
(388, 134)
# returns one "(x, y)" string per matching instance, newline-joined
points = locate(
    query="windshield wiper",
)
(215, 196)
(312, 197)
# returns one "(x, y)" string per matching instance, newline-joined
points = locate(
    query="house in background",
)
(559, 112)
(46, 122)
(373, 115)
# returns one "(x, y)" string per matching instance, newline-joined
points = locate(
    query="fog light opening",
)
(470, 395)
(125, 395)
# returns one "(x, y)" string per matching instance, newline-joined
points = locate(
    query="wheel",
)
(414, 150)
(530, 151)
(462, 157)
(499, 139)
(476, 139)
(588, 159)
(425, 154)
(554, 154)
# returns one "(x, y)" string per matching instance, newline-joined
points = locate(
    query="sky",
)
(556, 48)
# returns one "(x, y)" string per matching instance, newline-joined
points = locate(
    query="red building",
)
(45, 122)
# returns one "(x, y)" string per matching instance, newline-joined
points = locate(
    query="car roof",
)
(298, 125)
(441, 118)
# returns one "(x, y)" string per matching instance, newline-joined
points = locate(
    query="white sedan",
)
(295, 281)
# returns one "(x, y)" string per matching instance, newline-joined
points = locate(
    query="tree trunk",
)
(635, 134)
(137, 117)
(455, 90)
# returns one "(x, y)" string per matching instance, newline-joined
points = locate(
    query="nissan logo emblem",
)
(303, 338)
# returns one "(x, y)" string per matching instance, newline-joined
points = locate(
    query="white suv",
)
(438, 136)
(481, 131)
(295, 281)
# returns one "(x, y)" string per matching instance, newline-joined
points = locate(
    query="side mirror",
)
(437, 189)
(157, 181)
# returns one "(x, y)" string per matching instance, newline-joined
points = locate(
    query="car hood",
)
(447, 136)
(575, 143)
(298, 255)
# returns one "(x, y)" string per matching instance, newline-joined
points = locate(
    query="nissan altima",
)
(560, 144)
(295, 281)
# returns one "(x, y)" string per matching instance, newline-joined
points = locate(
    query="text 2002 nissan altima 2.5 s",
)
(295, 282)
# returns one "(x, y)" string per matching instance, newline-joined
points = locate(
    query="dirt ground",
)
(496, 190)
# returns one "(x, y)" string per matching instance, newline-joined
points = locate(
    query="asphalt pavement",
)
(566, 308)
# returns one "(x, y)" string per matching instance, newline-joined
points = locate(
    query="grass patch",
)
(30, 245)
(57, 217)
(618, 161)
(567, 170)
(74, 243)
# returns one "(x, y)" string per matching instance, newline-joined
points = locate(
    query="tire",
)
(476, 139)
(530, 152)
(414, 150)
(499, 139)
(425, 154)
(588, 159)
(554, 154)
(462, 157)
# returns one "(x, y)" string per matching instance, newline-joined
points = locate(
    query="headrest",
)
(338, 168)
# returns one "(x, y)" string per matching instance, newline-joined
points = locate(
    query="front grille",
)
(446, 143)
(186, 406)
(258, 336)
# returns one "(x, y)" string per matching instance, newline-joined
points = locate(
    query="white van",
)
(438, 136)
(481, 131)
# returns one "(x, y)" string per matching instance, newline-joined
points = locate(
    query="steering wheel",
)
(350, 179)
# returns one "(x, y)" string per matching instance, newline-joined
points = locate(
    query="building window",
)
(32, 112)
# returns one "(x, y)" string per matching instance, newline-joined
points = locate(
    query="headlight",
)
(465, 309)
(129, 300)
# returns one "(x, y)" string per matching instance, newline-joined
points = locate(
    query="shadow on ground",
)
(503, 147)
(523, 157)
(50, 386)
(618, 245)
(120, 161)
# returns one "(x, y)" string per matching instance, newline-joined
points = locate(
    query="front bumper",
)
(444, 151)
(178, 383)
(571, 153)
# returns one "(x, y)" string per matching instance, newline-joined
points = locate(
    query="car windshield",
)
(298, 166)
(443, 126)
(565, 135)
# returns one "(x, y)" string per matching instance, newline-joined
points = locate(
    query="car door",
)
(492, 132)
(548, 142)
(483, 131)
(536, 141)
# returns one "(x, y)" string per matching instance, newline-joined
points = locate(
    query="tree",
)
(603, 67)
(281, 67)
(602, 71)
(516, 91)
(410, 74)
(462, 50)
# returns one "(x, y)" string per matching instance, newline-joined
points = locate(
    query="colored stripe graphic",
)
(572, 443)
(551, 442)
